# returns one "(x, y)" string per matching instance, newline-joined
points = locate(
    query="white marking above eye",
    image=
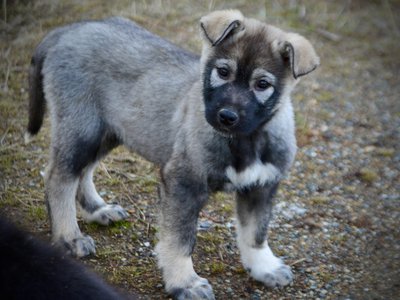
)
(259, 74)
(264, 95)
(215, 78)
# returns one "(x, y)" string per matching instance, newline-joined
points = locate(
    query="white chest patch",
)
(255, 174)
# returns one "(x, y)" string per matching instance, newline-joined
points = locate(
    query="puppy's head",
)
(248, 70)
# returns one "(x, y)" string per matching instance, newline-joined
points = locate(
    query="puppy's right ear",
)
(219, 26)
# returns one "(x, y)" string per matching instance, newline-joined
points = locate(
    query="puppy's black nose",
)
(228, 117)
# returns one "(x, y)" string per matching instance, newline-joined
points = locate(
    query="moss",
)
(209, 248)
(339, 239)
(8, 108)
(210, 241)
(142, 274)
(216, 267)
(239, 270)
(112, 181)
(210, 238)
(147, 184)
(91, 227)
(37, 213)
(7, 198)
(319, 200)
(367, 175)
(119, 227)
(386, 152)
(350, 189)
(326, 277)
(6, 162)
(220, 197)
(134, 237)
(227, 208)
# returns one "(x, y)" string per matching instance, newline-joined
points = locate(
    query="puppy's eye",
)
(223, 72)
(262, 85)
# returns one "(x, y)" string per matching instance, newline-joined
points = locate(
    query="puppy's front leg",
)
(182, 198)
(254, 210)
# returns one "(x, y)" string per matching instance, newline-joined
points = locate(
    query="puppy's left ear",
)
(299, 54)
(218, 26)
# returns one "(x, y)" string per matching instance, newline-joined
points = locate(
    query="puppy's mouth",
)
(223, 132)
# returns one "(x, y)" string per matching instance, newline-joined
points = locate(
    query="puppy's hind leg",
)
(61, 189)
(93, 207)
(72, 151)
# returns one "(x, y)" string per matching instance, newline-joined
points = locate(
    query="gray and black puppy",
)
(220, 121)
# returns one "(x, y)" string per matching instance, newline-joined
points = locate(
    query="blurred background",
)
(336, 218)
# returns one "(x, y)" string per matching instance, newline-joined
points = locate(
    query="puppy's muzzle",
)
(228, 117)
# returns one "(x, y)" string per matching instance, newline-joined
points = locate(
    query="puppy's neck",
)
(246, 150)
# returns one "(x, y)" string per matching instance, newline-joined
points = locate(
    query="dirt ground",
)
(336, 219)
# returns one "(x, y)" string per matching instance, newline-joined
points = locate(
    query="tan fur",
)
(215, 23)
(300, 52)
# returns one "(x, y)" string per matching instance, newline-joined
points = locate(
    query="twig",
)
(104, 169)
(297, 261)
(4, 135)
(141, 213)
(221, 256)
(5, 87)
(329, 35)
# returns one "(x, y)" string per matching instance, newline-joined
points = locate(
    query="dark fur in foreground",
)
(30, 269)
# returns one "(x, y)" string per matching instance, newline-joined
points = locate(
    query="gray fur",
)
(112, 82)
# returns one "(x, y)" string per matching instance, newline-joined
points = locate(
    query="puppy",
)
(30, 269)
(221, 121)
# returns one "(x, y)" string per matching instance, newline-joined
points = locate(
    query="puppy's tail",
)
(37, 102)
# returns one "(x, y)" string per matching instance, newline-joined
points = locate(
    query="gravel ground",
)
(336, 218)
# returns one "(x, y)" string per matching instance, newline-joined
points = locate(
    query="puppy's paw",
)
(78, 247)
(199, 289)
(107, 214)
(281, 276)
(265, 267)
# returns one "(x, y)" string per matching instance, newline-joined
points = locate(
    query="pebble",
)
(255, 296)
(204, 225)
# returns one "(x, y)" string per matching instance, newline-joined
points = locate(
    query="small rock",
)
(204, 225)
(255, 296)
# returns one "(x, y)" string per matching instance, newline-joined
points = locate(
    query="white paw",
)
(181, 281)
(281, 276)
(106, 214)
(197, 289)
(77, 247)
(265, 267)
